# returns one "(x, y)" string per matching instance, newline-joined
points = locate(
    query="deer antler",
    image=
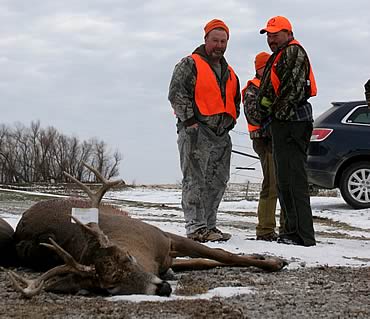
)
(34, 286)
(98, 195)
(94, 230)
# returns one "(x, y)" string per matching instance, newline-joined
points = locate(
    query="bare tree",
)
(113, 172)
(35, 154)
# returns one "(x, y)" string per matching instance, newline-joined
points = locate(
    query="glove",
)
(266, 103)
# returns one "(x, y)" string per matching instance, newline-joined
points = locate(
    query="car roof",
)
(337, 112)
(348, 103)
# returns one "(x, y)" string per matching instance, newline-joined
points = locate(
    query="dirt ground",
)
(305, 293)
(323, 292)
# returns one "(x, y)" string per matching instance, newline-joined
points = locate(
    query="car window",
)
(361, 116)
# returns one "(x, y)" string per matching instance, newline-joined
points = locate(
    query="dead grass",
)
(188, 286)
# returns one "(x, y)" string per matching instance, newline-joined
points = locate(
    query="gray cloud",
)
(102, 68)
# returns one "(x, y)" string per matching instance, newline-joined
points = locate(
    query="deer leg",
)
(186, 247)
(195, 264)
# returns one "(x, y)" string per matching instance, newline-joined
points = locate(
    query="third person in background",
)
(262, 145)
(367, 93)
(286, 86)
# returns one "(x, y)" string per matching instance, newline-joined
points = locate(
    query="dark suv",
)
(339, 152)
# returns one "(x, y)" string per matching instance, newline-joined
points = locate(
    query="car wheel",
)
(355, 185)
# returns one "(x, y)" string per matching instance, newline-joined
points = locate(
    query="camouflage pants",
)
(268, 195)
(205, 165)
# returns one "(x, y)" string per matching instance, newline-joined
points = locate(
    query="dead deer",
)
(119, 255)
(7, 244)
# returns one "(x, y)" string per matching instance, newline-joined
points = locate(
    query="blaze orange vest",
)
(257, 83)
(276, 81)
(207, 91)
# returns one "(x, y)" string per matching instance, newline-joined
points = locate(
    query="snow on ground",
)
(328, 251)
(343, 234)
(221, 292)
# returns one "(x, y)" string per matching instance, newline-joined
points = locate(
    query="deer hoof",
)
(274, 264)
(280, 264)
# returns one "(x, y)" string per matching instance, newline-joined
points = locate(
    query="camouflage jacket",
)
(251, 111)
(367, 92)
(181, 95)
(367, 86)
(293, 70)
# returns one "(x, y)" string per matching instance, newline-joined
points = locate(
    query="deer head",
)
(116, 270)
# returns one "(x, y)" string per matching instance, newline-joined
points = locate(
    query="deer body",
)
(52, 218)
(119, 255)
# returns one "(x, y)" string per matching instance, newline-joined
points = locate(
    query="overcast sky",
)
(101, 68)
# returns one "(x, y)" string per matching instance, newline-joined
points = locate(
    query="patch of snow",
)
(224, 292)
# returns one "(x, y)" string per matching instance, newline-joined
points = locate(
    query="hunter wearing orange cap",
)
(205, 95)
(262, 145)
(277, 24)
(286, 85)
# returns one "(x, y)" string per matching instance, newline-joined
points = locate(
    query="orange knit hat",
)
(215, 23)
(261, 60)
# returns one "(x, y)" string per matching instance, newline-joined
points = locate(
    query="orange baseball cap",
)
(214, 24)
(261, 60)
(276, 24)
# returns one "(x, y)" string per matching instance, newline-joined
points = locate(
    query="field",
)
(330, 280)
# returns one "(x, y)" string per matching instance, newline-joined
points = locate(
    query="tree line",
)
(34, 154)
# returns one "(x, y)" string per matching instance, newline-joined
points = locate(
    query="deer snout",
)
(158, 287)
(163, 289)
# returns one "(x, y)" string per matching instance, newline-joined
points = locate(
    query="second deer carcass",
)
(117, 255)
(7, 244)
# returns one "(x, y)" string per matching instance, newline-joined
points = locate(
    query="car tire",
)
(354, 185)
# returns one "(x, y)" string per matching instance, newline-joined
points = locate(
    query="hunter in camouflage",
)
(262, 145)
(367, 93)
(203, 130)
(286, 86)
(294, 65)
